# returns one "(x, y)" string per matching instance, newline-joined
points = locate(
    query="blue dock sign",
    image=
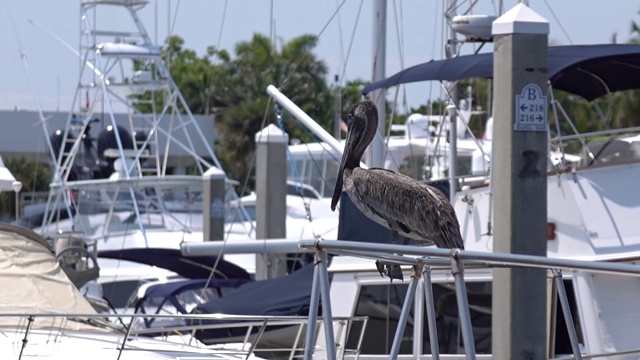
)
(531, 109)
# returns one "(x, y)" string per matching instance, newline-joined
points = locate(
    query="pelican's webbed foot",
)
(380, 267)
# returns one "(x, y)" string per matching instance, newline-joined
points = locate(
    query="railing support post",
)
(457, 269)
(321, 280)
(406, 308)
(566, 311)
(313, 310)
(431, 313)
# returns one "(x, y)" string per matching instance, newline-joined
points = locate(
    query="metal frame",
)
(95, 71)
(421, 256)
(250, 341)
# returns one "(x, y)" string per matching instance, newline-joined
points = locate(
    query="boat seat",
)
(75, 259)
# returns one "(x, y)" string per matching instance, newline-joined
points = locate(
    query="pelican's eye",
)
(349, 119)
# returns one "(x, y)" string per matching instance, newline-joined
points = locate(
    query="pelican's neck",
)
(359, 138)
(363, 125)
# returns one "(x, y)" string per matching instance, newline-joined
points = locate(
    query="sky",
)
(414, 35)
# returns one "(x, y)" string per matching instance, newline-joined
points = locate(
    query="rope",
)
(292, 166)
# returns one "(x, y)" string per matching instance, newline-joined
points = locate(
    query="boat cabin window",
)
(233, 214)
(413, 166)
(382, 303)
(561, 343)
(437, 168)
(120, 293)
(321, 174)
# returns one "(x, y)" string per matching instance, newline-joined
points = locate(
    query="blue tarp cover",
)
(286, 295)
(590, 71)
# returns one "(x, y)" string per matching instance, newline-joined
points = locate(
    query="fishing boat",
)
(129, 165)
(591, 240)
(592, 247)
(592, 237)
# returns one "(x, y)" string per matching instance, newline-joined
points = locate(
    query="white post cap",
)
(214, 172)
(271, 134)
(520, 20)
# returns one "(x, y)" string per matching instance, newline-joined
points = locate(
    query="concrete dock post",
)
(271, 192)
(214, 191)
(519, 163)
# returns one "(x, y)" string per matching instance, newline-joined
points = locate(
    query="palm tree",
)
(241, 100)
(627, 103)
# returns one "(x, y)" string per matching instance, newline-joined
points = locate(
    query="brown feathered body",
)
(404, 205)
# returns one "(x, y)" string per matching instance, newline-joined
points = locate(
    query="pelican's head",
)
(362, 123)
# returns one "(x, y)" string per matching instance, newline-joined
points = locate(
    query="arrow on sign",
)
(523, 107)
(539, 118)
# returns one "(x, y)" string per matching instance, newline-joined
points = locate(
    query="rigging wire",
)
(237, 210)
(558, 21)
(351, 41)
(335, 13)
(224, 16)
(216, 58)
(264, 121)
(341, 78)
(175, 17)
(296, 64)
(294, 171)
(340, 37)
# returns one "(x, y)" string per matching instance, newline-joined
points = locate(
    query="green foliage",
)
(34, 177)
(234, 88)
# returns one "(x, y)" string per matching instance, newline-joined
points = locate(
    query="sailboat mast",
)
(376, 153)
(452, 51)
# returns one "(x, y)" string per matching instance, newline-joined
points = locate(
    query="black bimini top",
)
(589, 71)
(190, 267)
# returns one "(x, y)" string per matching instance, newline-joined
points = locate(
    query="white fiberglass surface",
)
(608, 200)
(619, 311)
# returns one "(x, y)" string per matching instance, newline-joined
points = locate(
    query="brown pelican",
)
(402, 204)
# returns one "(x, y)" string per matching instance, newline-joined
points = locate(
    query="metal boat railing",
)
(422, 259)
(250, 342)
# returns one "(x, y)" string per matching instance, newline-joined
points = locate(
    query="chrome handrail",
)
(418, 257)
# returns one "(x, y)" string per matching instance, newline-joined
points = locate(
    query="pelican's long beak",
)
(362, 123)
(337, 191)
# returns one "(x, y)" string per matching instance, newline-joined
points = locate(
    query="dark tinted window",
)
(383, 304)
(562, 343)
(120, 292)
